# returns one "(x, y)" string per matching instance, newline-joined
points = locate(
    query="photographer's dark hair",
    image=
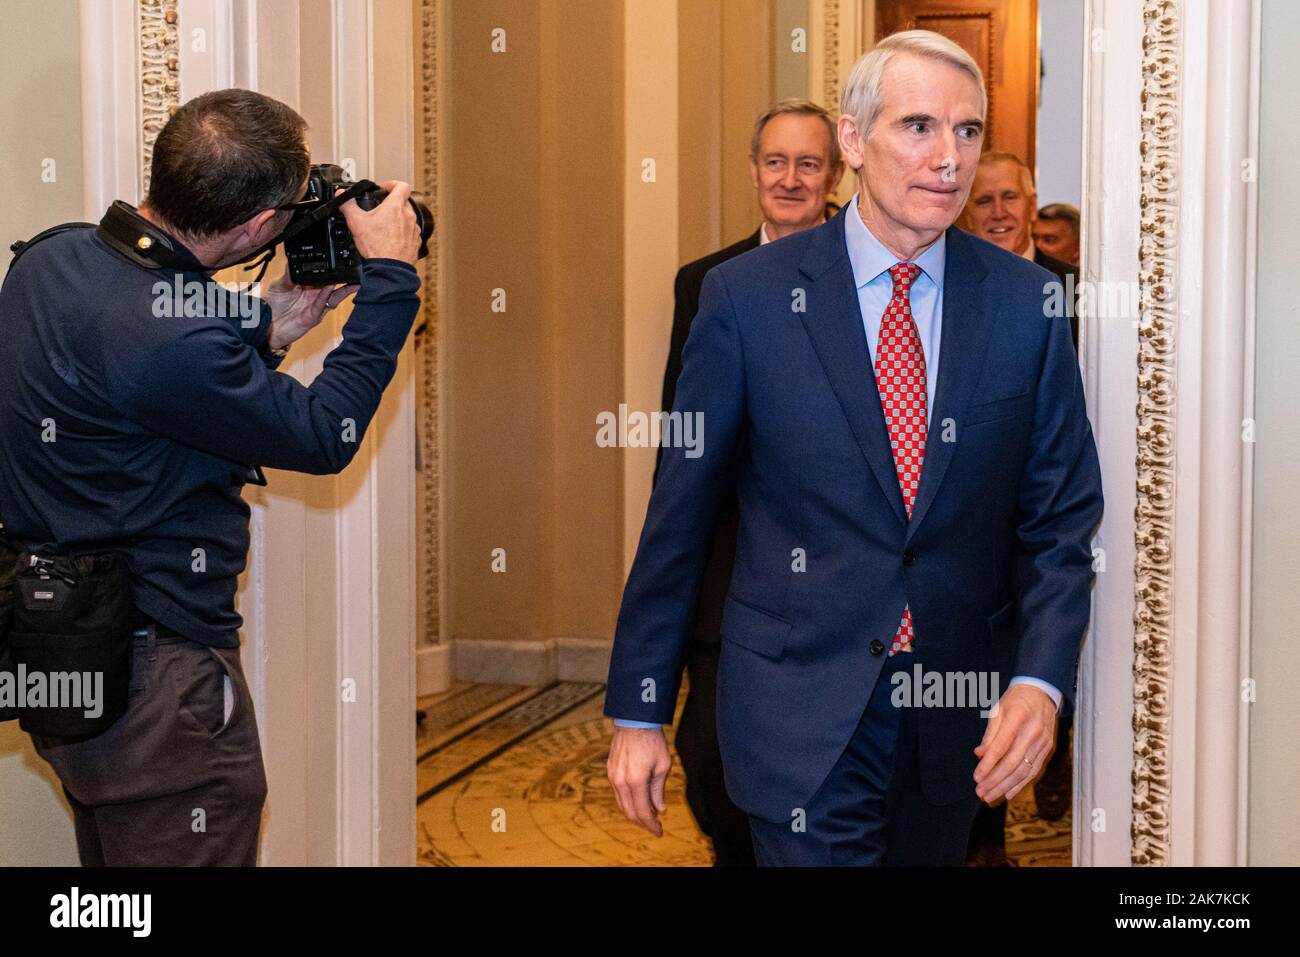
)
(225, 156)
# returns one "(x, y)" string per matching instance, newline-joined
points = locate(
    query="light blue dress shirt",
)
(871, 262)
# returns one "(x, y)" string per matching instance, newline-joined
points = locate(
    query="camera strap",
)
(124, 229)
(140, 241)
(22, 245)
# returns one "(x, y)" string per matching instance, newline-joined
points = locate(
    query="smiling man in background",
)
(1003, 210)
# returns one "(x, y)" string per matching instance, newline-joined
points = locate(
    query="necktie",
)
(900, 376)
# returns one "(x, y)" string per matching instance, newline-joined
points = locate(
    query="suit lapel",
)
(833, 319)
(967, 320)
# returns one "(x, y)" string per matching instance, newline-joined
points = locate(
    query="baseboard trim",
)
(490, 661)
(432, 669)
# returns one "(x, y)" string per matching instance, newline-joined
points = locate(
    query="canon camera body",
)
(318, 244)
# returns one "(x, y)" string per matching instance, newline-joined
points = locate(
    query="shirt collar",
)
(764, 238)
(870, 258)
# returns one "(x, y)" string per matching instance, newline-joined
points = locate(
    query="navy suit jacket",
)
(995, 562)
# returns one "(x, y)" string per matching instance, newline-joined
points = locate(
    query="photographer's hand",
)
(297, 310)
(390, 230)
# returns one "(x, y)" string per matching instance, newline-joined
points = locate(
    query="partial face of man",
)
(792, 171)
(920, 155)
(260, 229)
(1056, 238)
(1001, 210)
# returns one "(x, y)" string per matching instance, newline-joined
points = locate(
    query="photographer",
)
(130, 426)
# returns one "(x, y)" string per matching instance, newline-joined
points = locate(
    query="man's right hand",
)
(390, 230)
(638, 767)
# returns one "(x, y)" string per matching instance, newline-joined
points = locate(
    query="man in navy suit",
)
(899, 411)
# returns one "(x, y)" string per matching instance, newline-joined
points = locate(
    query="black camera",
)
(317, 241)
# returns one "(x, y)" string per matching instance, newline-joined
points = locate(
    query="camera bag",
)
(71, 631)
(9, 557)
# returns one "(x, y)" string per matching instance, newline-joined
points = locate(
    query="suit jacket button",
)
(877, 647)
(909, 557)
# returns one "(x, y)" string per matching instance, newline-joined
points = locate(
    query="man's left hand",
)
(1022, 725)
(297, 310)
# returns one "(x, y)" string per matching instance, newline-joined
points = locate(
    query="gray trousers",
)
(178, 779)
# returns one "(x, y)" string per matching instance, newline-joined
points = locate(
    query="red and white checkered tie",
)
(900, 376)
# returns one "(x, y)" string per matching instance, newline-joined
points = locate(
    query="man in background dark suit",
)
(795, 164)
(1003, 210)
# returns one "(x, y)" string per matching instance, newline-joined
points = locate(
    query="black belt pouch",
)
(71, 636)
(8, 573)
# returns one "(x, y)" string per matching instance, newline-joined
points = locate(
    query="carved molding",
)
(426, 342)
(1153, 565)
(831, 55)
(160, 77)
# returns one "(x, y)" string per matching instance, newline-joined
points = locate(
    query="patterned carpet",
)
(515, 776)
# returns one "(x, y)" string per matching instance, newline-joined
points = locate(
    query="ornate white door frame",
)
(1103, 798)
(1171, 113)
(329, 597)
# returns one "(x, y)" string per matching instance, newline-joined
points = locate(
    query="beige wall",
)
(747, 71)
(699, 126)
(534, 178)
(650, 130)
(40, 111)
(734, 60)
(538, 194)
(790, 73)
(582, 172)
(1275, 666)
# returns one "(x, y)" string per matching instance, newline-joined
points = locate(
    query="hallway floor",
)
(515, 776)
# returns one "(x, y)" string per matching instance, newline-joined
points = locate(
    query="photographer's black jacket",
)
(124, 430)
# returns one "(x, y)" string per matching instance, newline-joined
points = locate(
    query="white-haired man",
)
(910, 517)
